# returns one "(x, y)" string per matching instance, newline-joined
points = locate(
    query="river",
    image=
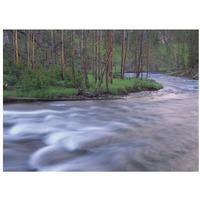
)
(147, 131)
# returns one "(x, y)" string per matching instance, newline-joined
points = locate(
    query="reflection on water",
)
(148, 131)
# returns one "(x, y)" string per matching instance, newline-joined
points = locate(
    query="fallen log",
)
(25, 99)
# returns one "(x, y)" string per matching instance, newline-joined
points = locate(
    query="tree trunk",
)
(112, 46)
(93, 37)
(81, 49)
(65, 51)
(140, 55)
(15, 47)
(122, 57)
(84, 58)
(126, 48)
(147, 60)
(36, 53)
(62, 57)
(27, 51)
(44, 53)
(52, 47)
(99, 55)
(55, 52)
(96, 56)
(72, 40)
(136, 58)
(33, 49)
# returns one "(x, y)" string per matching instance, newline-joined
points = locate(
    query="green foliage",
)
(36, 79)
(69, 80)
(50, 93)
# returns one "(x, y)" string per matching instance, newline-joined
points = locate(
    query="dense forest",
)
(62, 63)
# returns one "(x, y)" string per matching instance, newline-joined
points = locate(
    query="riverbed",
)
(147, 131)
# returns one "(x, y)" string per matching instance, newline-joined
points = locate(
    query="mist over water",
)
(147, 131)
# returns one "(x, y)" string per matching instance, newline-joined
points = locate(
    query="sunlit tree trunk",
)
(27, 51)
(15, 47)
(72, 40)
(62, 56)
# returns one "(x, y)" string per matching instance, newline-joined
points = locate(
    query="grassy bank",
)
(119, 87)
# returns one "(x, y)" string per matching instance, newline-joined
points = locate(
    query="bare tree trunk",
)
(108, 57)
(140, 55)
(126, 48)
(147, 59)
(81, 49)
(15, 47)
(112, 45)
(52, 51)
(65, 53)
(27, 51)
(72, 40)
(122, 57)
(62, 57)
(96, 56)
(84, 58)
(55, 52)
(33, 48)
(93, 37)
(44, 53)
(99, 55)
(136, 58)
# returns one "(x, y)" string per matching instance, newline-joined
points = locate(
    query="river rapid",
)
(147, 131)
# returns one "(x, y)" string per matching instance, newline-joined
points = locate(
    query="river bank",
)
(119, 89)
(188, 73)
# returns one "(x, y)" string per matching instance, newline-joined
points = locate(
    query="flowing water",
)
(147, 131)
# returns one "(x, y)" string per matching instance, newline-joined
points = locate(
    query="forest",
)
(55, 64)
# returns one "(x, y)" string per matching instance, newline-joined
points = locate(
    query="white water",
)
(148, 131)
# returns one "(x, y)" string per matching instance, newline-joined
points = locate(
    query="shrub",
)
(78, 82)
(37, 79)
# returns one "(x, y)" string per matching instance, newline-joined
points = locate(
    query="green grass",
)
(50, 93)
(172, 73)
(166, 68)
(120, 86)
